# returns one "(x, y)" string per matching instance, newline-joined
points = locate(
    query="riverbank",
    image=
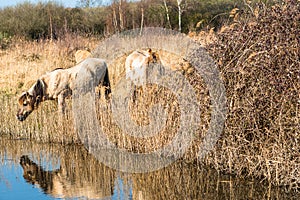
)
(258, 57)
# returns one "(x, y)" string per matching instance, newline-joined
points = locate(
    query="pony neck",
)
(36, 90)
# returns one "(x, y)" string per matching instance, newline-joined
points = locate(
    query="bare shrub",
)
(259, 60)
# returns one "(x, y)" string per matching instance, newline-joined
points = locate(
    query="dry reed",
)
(261, 74)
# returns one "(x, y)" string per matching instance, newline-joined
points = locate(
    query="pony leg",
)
(61, 104)
(101, 93)
(134, 93)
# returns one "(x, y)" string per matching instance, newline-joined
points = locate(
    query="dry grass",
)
(25, 61)
(151, 95)
(45, 124)
(259, 61)
(21, 65)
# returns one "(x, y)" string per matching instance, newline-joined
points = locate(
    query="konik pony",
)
(59, 84)
(138, 67)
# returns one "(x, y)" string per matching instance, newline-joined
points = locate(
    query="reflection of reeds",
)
(76, 173)
(82, 174)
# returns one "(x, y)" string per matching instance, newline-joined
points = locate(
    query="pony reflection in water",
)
(64, 183)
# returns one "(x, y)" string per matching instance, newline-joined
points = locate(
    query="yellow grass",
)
(22, 68)
(241, 150)
(25, 61)
(21, 65)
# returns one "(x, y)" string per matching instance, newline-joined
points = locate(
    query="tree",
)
(179, 14)
(167, 14)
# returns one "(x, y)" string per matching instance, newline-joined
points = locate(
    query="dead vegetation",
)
(258, 57)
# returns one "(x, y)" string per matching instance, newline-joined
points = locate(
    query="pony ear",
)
(149, 50)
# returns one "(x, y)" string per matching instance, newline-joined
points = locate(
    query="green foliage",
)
(49, 20)
(52, 20)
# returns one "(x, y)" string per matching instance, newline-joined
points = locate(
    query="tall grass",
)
(21, 65)
(258, 57)
(25, 61)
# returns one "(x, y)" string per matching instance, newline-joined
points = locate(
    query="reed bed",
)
(149, 96)
(258, 57)
(43, 125)
(21, 65)
(24, 61)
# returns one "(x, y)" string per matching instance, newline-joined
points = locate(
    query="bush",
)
(258, 56)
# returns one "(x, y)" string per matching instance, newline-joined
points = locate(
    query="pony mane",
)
(39, 89)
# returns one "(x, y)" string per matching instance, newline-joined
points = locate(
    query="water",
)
(30, 170)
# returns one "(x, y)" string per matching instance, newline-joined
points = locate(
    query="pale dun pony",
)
(59, 84)
(137, 66)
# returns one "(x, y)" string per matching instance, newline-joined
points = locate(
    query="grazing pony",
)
(59, 84)
(138, 67)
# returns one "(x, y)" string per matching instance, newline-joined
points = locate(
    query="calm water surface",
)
(31, 170)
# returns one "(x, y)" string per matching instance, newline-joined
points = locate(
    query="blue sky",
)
(66, 3)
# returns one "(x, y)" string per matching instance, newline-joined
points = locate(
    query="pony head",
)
(30, 100)
(30, 169)
(154, 57)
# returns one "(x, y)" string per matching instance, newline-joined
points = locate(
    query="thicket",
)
(52, 20)
(259, 57)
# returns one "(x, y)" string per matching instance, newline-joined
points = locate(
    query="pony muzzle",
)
(23, 116)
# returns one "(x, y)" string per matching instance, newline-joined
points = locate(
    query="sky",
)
(65, 3)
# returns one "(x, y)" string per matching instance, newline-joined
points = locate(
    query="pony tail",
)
(106, 83)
